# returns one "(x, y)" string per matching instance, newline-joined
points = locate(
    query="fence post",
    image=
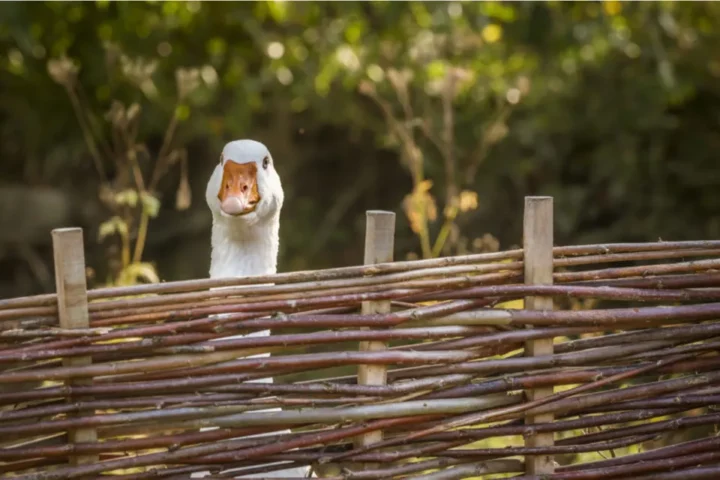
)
(71, 287)
(538, 259)
(379, 245)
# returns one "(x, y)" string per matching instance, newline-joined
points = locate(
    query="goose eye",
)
(266, 162)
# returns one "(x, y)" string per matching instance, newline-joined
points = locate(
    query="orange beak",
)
(238, 193)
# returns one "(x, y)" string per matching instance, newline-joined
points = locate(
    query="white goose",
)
(245, 197)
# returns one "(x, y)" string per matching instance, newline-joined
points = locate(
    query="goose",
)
(245, 196)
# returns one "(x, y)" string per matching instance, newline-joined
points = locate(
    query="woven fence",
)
(571, 362)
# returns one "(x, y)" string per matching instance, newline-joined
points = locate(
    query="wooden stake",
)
(71, 287)
(379, 245)
(538, 254)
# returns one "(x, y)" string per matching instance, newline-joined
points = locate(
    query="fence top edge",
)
(359, 270)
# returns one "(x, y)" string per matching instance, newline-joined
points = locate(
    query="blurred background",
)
(112, 117)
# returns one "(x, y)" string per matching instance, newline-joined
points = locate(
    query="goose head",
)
(245, 188)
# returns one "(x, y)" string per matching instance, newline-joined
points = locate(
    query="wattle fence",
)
(428, 369)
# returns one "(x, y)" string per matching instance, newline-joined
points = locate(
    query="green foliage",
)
(607, 106)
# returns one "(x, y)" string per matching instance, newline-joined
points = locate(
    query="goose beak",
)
(238, 193)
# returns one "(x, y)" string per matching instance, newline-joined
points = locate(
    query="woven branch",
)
(636, 349)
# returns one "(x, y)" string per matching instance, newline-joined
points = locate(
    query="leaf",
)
(511, 305)
(132, 112)
(278, 11)
(187, 80)
(139, 71)
(423, 187)
(492, 33)
(182, 112)
(183, 197)
(612, 7)
(106, 229)
(62, 70)
(354, 32)
(127, 197)
(420, 206)
(112, 226)
(468, 200)
(436, 69)
(136, 272)
(116, 114)
(150, 204)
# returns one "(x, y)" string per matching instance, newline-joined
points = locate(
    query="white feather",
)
(248, 245)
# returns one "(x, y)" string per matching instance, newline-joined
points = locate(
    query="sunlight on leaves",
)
(436, 69)
(498, 10)
(492, 33)
(278, 10)
(612, 7)
(182, 112)
(375, 73)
